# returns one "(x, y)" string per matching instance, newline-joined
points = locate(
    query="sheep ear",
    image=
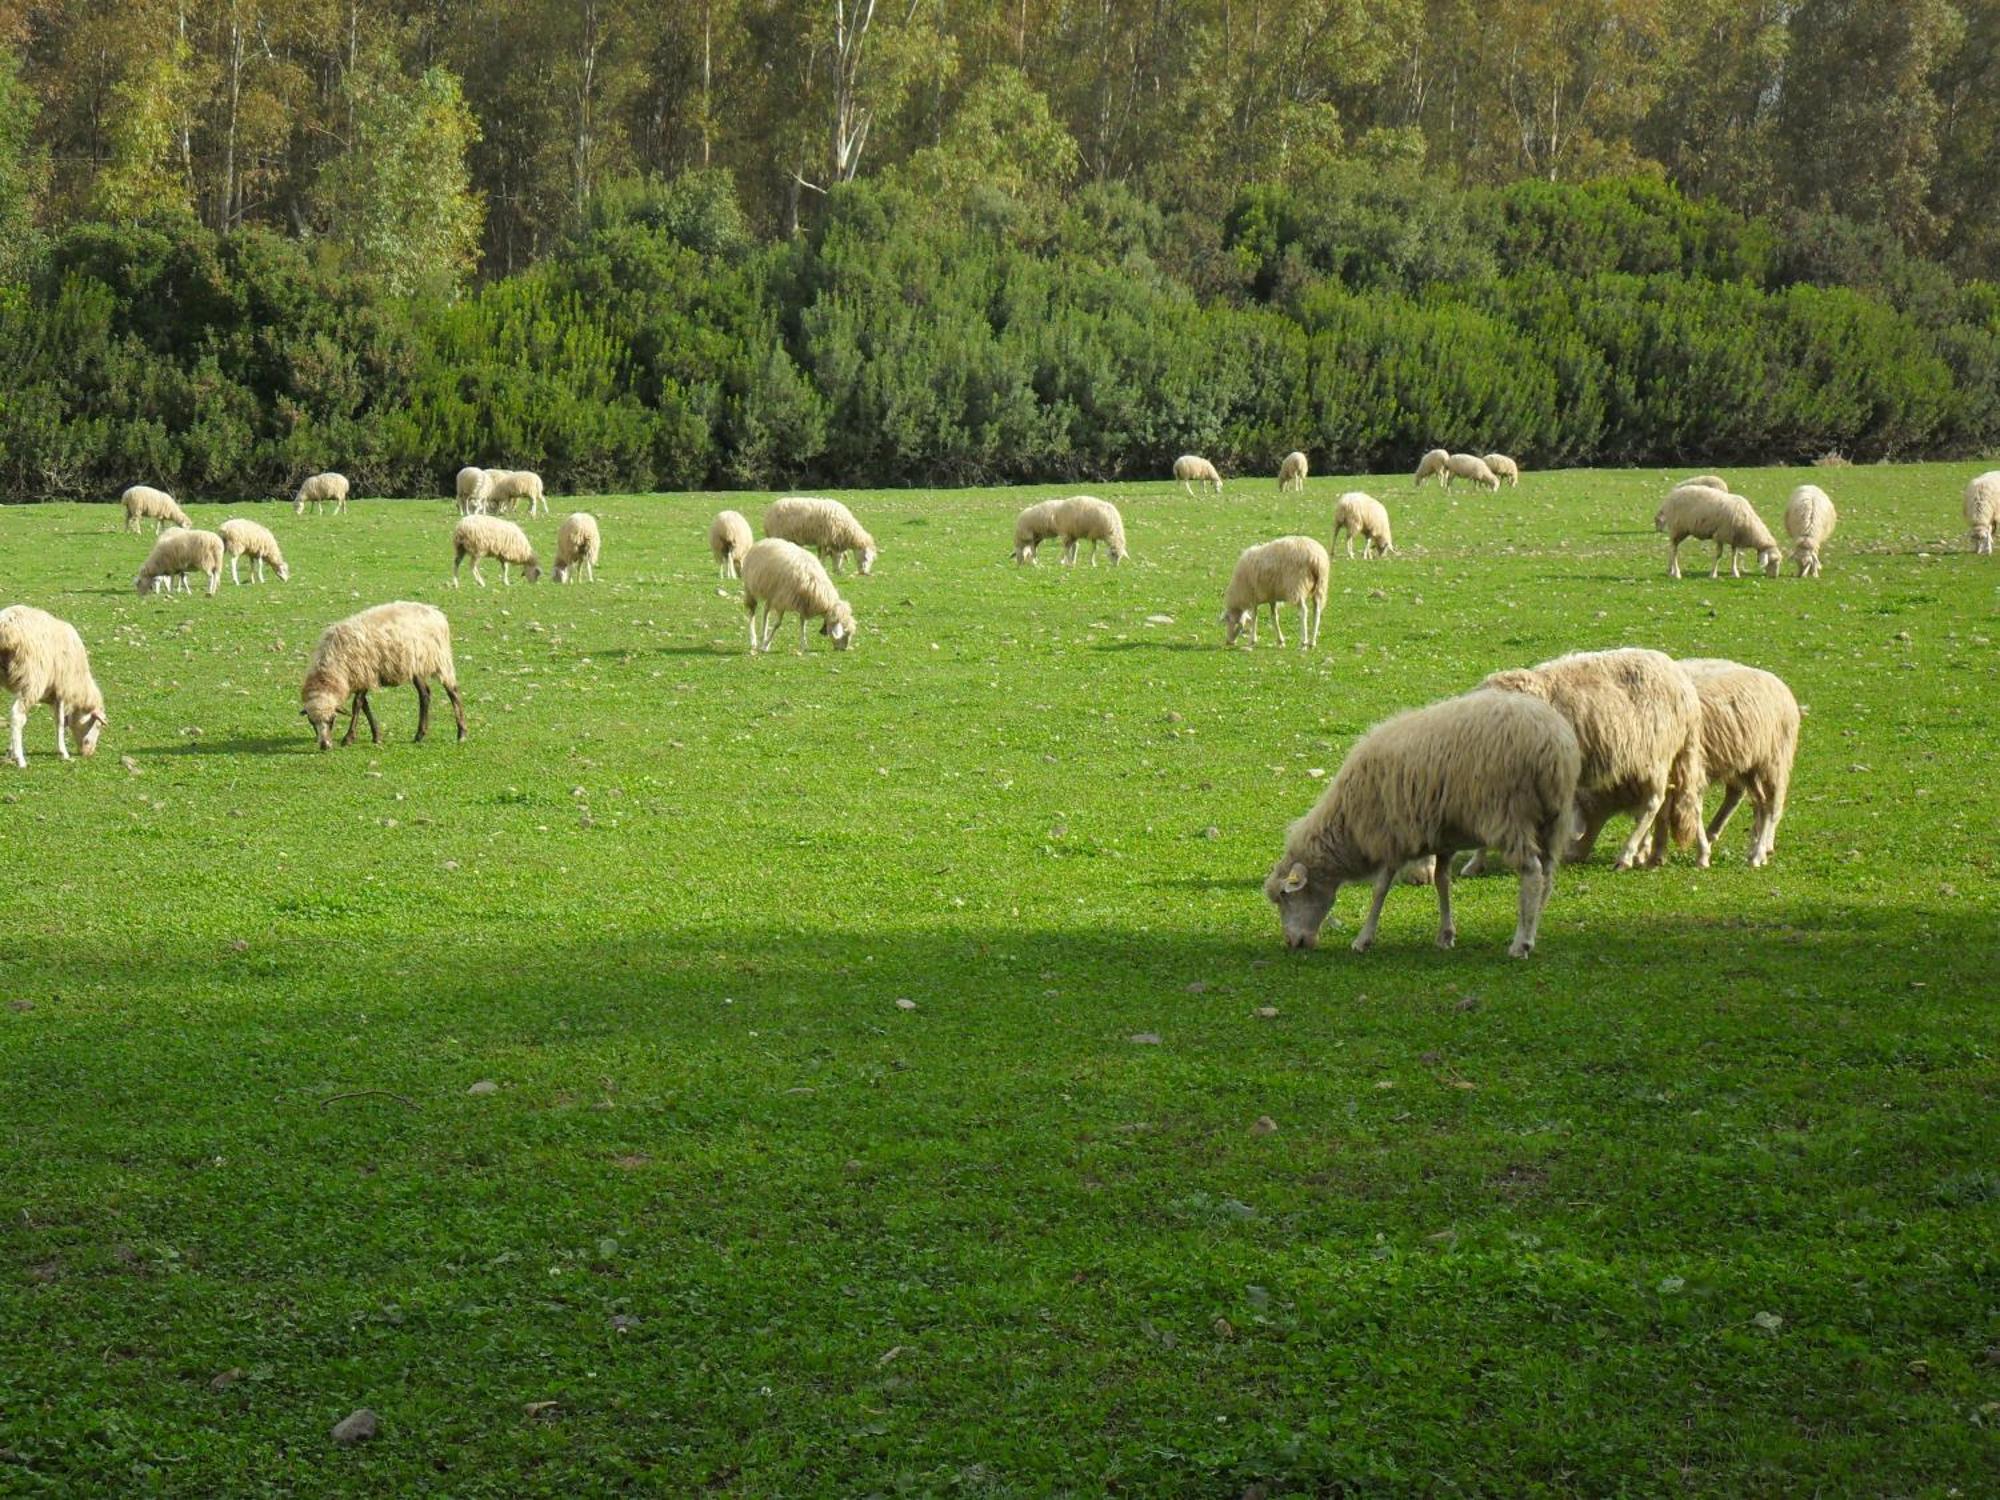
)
(1295, 879)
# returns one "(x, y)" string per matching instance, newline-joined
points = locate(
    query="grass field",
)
(1702, 1198)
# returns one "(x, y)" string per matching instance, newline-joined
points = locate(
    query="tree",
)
(23, 170)
(140, 179)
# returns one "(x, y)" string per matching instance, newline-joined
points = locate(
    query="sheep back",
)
(480, 536)
(1290, 570)
(42, 658)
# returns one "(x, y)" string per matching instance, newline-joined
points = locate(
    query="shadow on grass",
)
(1152, 646)
(237, 745)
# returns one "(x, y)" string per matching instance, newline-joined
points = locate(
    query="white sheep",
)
(1035, 525)
(578, 547)
(1472, 467)
(781, 578)
(1982, 510)
(1506, 468)
(1705, 482)
(1290, 570)
(505, 487)
(471, 490)
(1749, 738)
(386, 646)
(1085, 518)
(42, 660)
(240, 537)
(1431, 463)
(1809, 521)
(175, 555)
(1357, 514)
(1192, 469)
(479, 537)
(1729, 521)
(728, 539)
(1292, 473)
(144, 503)
(825, 526)
(1487, 770)
(320, 490)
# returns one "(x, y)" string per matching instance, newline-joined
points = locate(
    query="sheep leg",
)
(18, 718)
(214, 580)
(1365, 938)
(1277, 624)
(374, 729)
(803, 643)
(506, 578)
(423, 709)
(1716, 571)
(750, 609)
(353, 718)
(1536, 882)
(1674, 558)
(1473, 866)
(1731, 798)
(260, 569)
(1628, 856)
(1764, 833)
(234, 559)
(1447, 928)
(457, 707)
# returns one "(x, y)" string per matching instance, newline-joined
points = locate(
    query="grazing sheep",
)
(1431, 463)
(728, 539)
(1356, 514)
(825, 526)
(577, 546)
(322, 489)
(1486, 770)
(471, 490)
(1085, 518)
(781, 578)
(1749, 736)
(479, 537)
(175, 555)
(1034, 526)
(144, 503)
(1809, 521)
(1982, 509)
(505, 487)
(1470, 466)
(386, 646)
(1292, 473)
(1291, 570)
(42, 660)
(1704, 482)
(1729, 521)
(240, 537)
(1506, 468)
(1192, 469)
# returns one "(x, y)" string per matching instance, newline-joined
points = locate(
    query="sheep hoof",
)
(1361, 944)
(1624, 862)
(1447, 938)
(1519, 949)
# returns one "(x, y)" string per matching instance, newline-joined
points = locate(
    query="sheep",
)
(1470, 466)
(1506, 468)
(1292, 473)
(1489, 769)
(42, 660)
(781, 578)
(1085, 518)
(1034, 526)
(1982, 510)
(240, 537)
(1291, 570)
(504, 487)
(479, 537)
(1705, 482)
(1192, 469)
(728, 539)
(1728, 520)
(1809, 521)
(1749, 736)
(386, 646)
(577, 546)
(175, 555)
(1431, 463)
(144, 503)
(1356, 514)
(322, 489)
(472, 485)
(826, 526)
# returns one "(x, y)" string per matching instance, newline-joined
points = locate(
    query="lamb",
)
(1720, 517)
(42, 660)
(1356, 514)
(322, 489)
(480, 537)
(826, 526)
(577, 546)
(1192, 469)
(1034, 526)
(1470, 466)
(471, 490)
(1431, 463)
(177, 554)
(1506, 468)
(241, 537)
(1489, 769)
(1749, 736)
(781, 578)
(504, 487)
(1085, 518)
(144, 503)
(1292, 473)
(381, 647)
(1809, 521)
(728, 539)
(1982, 510)
(1291, 570)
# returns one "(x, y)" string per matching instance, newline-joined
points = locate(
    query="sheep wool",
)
(1749, 738)
(1192, 469)
(471, 490)
(825, 526)
(42, 660)
(386, 646)
(1085, 518)
(781, 578)
(1433, 463)
(1982, 510)
(577, 547)
(1729, 521)
(507, 487)
(1809, 521)
(241, 538)
(1470, 466)
(1290, 570)
(1292, 473)
(728, 540)
(1033, 526)
(1506, 468)
(1358, 514)
(175, 555)
(320, 490)
(144, 503)
(479, 537)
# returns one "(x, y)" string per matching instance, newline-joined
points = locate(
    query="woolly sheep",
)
(1729, 521)
(728, 539)
(386, 646)
(471, 490)
(1085, 518)
(322, 489)
(1809, 521)
(479, 537)
(1982, 509)
(1749, 737)
(504, 487)
(1192, 469)
(781, 578)
(1036, 525)
(144, 503)
(1470, 466)
(175, 555)
(1705, 482)
(825, 526)
(42, 660)
(241, 537)
(1356, 514)
(1291, 570)
(577, 546)
(1292, 473)
(1431, 463)
(1488, 770)
(1505, 468)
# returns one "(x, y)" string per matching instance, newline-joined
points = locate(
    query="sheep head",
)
(1303, 897)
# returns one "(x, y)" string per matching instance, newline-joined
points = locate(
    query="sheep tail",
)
(1686, 782)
